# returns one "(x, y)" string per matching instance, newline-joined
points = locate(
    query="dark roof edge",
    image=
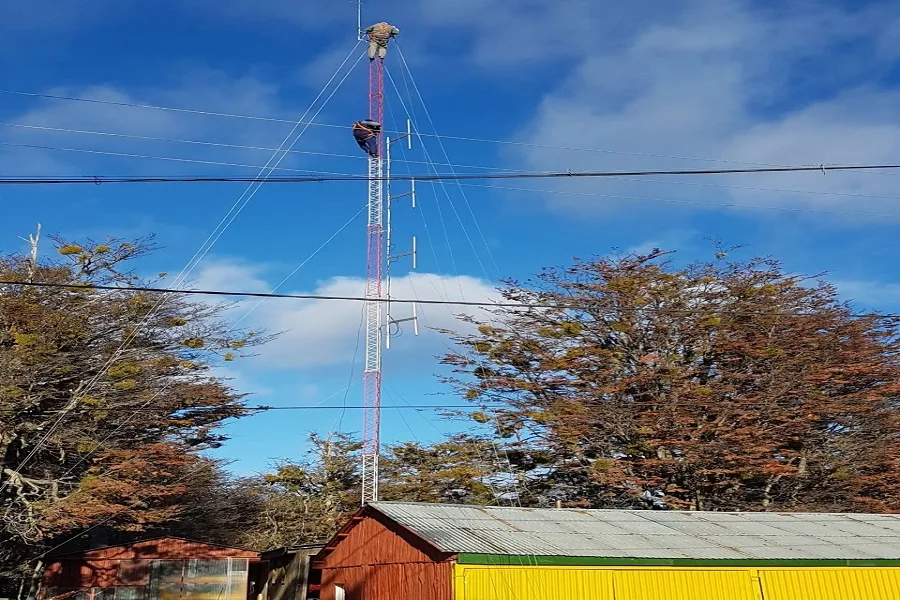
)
(276, 552)
(532, 560)
(150, 539)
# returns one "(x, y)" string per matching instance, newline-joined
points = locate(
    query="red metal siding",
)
(405, 581)
(371, 542)
(101, 568)
(167, 548)
(378, 561)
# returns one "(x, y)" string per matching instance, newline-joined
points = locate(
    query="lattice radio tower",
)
(378, 278)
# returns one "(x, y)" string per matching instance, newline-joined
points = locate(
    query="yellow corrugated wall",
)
(859, 583)
(477, 582)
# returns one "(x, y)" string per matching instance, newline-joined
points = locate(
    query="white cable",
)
(443, 187)
(421, 212)
(437, 203)
(224, 145)
(198, 256)
(304, 263)
(452, 170)
(446, 137)
(167, 158)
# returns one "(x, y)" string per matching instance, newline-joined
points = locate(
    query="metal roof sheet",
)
(649, 534)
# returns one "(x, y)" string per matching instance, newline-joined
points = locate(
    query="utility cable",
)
(197, 161)
(229, 218)
(82, 288)
(101, 179)
(443, 187)
(446, 137)
(405, 66)
(212, 144)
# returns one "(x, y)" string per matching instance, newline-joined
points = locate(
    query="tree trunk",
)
(36, 576)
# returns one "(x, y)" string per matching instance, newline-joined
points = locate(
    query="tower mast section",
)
(374, 265)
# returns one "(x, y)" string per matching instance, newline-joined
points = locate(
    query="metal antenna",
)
(392, 323)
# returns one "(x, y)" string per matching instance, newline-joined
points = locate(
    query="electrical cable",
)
(229, 218)
(101, 179)
(513, 305)
(415, 87)
(446, 137)
(214, 145)
(443, 187)
(179, 159)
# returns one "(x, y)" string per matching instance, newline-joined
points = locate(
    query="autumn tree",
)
(462, 469)
(307, 501)
(106, 395)
(631, 382)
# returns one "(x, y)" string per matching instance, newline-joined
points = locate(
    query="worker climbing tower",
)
(379, 259)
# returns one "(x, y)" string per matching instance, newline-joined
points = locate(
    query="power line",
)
(101, 179)
(261, 408)
(517, 305)
(644, 405)
(208, 143)
(331, 125)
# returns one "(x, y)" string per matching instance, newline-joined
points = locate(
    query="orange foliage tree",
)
(630, 382)
(106, 396)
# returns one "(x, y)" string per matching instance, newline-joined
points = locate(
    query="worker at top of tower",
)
(379, 36)
(366, 135)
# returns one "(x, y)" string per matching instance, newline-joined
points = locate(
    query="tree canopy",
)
(107, 397)
(718, 386)
(617, 382)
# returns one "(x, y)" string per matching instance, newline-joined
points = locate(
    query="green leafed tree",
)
(106, 397)
(632, 382)
(306, 501)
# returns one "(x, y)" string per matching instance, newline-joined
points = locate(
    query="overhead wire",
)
(415, 87)
(331, 125)
(101, 179)
(443, 188)
(208, 143)
(360, 158)
(179, 159)
(410, 114)
(421, 210)
(82, 288)
(223, 225)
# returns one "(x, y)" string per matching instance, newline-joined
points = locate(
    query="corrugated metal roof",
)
(649, 534)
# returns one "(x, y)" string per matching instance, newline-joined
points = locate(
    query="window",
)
(339, 593)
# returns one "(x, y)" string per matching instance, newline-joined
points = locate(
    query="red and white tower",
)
(380, 256)
(375, 261)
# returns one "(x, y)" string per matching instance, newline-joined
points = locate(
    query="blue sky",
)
(652, 84)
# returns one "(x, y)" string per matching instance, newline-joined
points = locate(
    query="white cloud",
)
(720, 80)
(323, 333)
(201, 89)
(869, 294)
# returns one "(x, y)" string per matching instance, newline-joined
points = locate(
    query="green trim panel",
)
(530, 560)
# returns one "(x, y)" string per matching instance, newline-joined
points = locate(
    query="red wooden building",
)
(373, 558)
(159, 569)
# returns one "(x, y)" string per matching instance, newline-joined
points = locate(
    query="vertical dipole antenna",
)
(393, 325)
(374, 261)
(359, 31)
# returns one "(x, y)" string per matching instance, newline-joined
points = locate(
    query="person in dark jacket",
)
(366, 135)
(379, 36)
